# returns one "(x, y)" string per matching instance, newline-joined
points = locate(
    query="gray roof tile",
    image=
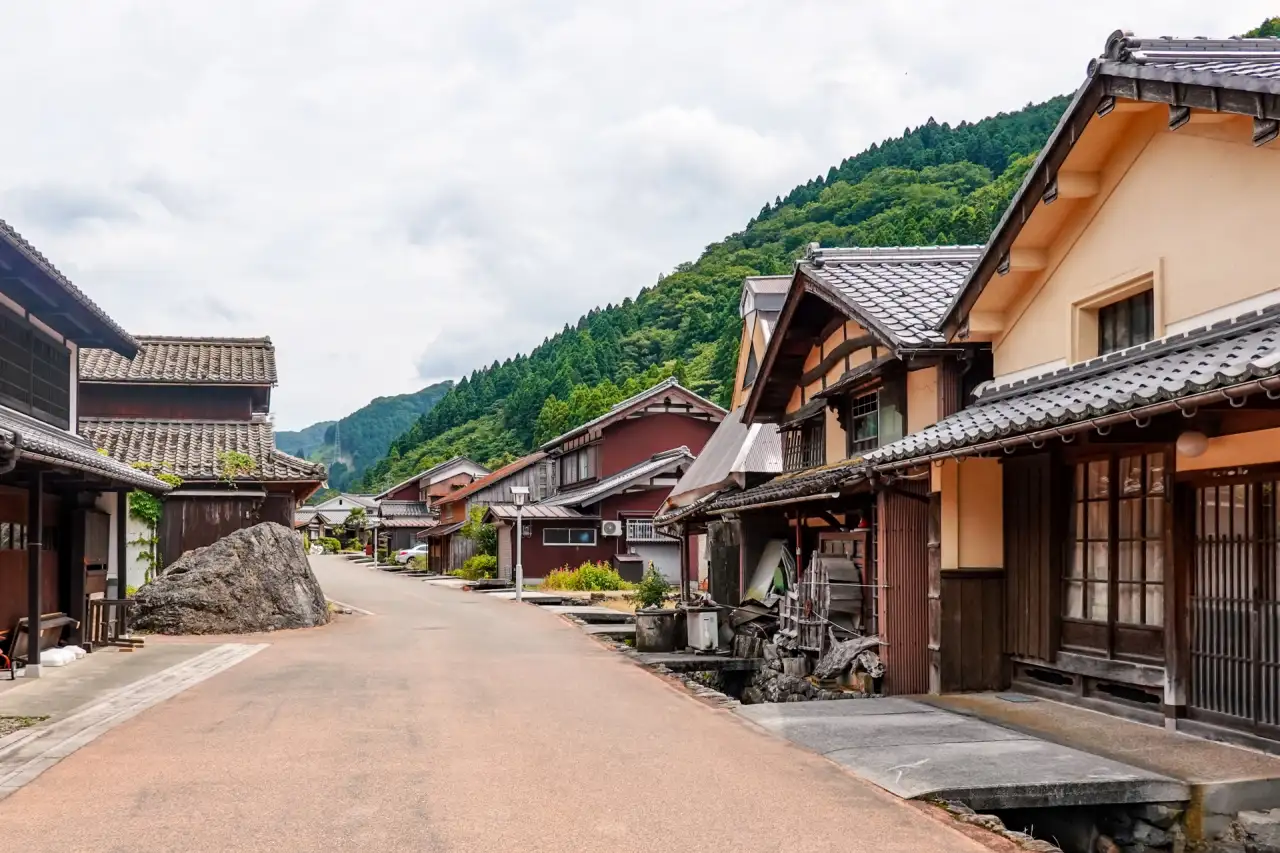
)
(1248, 64)
(899, 293)
(190, 449)
(1220, 356)
(657, 464)
(797, 484)
(618, 410)
(204, 361)
(28, 438)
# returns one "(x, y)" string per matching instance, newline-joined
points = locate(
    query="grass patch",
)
(589, 577)
(9, 725)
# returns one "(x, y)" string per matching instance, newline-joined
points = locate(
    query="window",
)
(568, 536)
(35, 371)
(863, 428)
(578, 466)
(804, 445)
(1115, 568)
(1126, 323)
(753, 368)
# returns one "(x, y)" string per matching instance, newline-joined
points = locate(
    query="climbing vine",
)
(146, 508)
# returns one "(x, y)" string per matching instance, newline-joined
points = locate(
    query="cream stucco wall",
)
(1195, 207)
(972, 513)
(835, 438)
(1247, 448)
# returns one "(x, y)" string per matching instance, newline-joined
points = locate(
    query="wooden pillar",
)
(122, 545)
(684, 564)
(35, 529)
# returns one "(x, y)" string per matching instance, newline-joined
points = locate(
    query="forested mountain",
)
(351, 445)
(933, 184)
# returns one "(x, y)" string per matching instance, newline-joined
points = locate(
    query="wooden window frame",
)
(1084, 312)
(1110, 637)
(804, 445)
(1126, 322)
(35, 371)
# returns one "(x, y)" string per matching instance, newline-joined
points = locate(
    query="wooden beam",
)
(1029, 260)
(1075, 184)
(985, 323)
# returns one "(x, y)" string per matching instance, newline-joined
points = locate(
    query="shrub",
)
(589, 577)
(477, 567)
(653, 588)
(330, 545)
(418, 563)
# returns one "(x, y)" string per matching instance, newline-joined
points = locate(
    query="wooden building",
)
(611, 476)
(58, 495)
(448, 550)
(329, 517)
(436, 482)
(854, 362)
(1104, 515)
(191, 406)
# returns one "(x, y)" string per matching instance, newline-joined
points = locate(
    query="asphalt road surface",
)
(449, 721)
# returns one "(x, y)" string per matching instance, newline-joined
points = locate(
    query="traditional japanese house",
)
(196, 408)
(611, 476)
(61, 525)
(328, 518)
(536, 472)
(738, 455)
(436, 482)
(1105, 515)
(399, 522)
(855, 361)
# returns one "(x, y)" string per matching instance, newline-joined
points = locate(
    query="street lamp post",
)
(375, 543)
(519, 493)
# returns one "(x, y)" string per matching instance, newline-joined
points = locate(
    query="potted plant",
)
(655, 626)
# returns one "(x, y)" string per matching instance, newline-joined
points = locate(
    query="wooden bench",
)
(50, 631)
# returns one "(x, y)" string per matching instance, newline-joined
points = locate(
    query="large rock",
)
(255, 579)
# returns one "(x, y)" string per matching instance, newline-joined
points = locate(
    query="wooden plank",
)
(992, 629)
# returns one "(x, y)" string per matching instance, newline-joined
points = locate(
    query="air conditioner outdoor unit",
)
(611, 528)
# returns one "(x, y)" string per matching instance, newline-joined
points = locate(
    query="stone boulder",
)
(252, 580)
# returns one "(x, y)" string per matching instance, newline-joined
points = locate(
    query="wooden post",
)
(122, 546)
(684, 564)
(35, 527)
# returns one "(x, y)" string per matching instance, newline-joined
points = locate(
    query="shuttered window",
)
(35, 371)
(1126, 323)
(804, 445)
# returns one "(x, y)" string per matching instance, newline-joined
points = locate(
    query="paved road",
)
(449, 721)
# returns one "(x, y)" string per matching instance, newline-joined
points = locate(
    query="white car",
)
(403, 557)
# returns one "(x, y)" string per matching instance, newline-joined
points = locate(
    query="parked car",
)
(408, 554)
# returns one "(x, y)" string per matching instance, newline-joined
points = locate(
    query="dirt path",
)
(449, 721)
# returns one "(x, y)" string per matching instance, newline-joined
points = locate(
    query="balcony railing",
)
(643, 530)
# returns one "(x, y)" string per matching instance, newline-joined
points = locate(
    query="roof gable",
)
(492, 479)
(62, 306)
(186, 361)
(660, 463)
(1233, 76)
(665, 395)
(441, 471)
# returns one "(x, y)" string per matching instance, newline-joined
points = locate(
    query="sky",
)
(402, 191)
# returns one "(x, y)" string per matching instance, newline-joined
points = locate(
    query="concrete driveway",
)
(449, 721)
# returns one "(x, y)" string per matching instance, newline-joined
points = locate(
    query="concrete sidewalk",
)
(913, 750)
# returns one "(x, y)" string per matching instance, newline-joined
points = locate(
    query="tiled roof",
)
(411, 522)
(799, 484)
(444, 530)
(28, 438)
(1248, 64)
(898, 293)
(403, 509)
(16, 240)
(203, 361)
(657, 464)
(1226, 354)
(489, 479)
(190, 449)
(619, 410)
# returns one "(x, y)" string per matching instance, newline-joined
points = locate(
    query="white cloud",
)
(399, 192)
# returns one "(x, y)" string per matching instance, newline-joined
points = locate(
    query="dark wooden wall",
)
(166, 401)
(198, 521)
(724, 554)
(1031, 572)
(971, 630)
(904, 605)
